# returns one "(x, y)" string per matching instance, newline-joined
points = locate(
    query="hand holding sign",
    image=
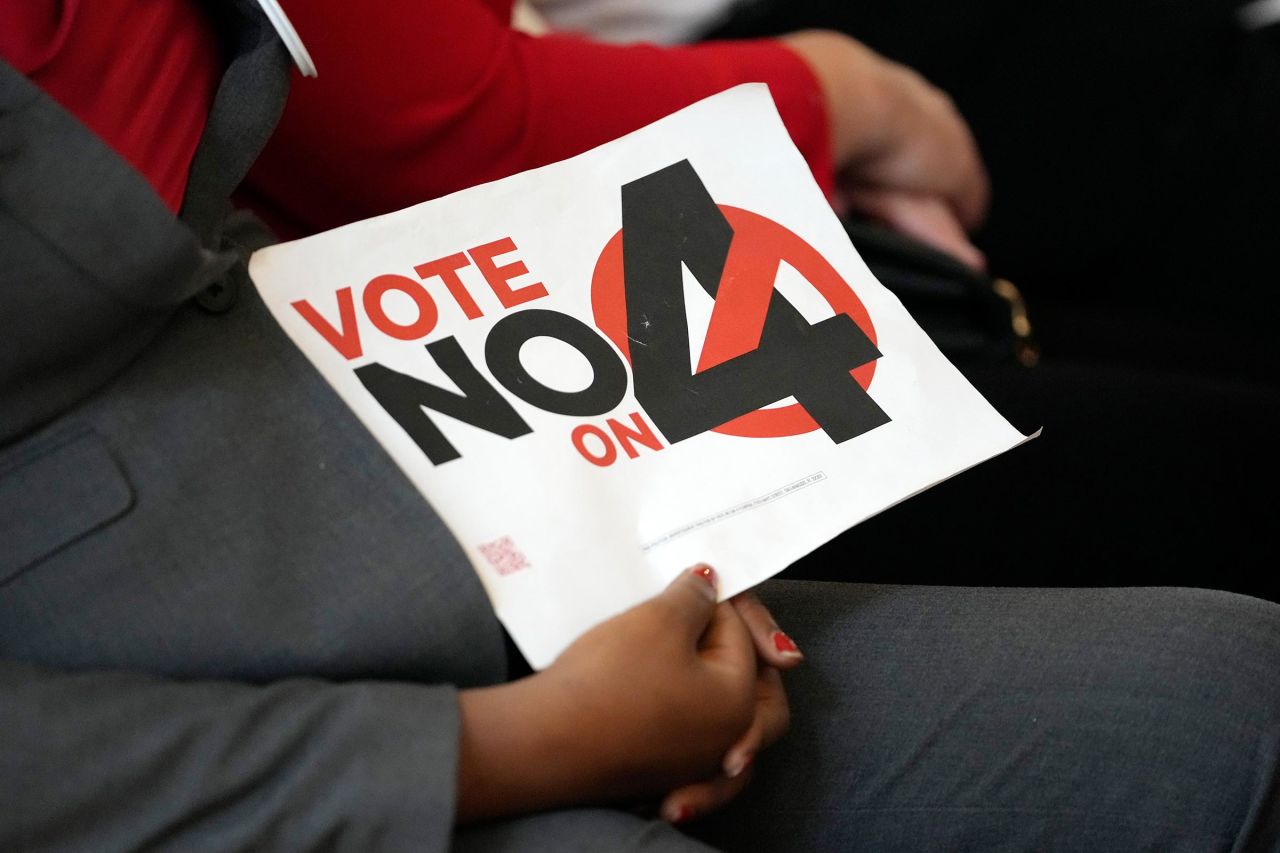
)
(677, 692)
(661, 352)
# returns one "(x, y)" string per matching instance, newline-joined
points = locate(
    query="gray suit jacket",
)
(226, 619)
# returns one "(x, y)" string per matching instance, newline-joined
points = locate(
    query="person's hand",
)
(775, 651)
(905, 155)
(660, 697)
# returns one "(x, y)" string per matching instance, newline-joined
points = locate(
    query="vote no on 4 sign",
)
(758, 348)
(659, 352)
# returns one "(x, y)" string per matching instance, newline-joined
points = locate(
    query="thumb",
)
(691, 599)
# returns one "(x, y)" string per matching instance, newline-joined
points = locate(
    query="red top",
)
(439, 96)
(414, 99)
(140, 75)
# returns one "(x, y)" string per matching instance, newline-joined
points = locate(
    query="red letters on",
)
(643, 433)
(603, 451)
(607, 453)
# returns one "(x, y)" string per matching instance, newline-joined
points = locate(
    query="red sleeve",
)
(142, 76)
(416, 100)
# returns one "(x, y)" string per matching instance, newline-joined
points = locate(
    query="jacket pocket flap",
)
(54, 493)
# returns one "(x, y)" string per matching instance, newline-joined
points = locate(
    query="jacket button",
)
(218, 297)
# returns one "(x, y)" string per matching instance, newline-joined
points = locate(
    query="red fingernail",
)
(678, 815)
(785, 644)
(706, 573)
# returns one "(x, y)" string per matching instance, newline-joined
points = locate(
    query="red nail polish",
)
(785, 644)
(679, 815)
(706, 573)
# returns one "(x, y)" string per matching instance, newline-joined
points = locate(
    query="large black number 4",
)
(669, 218)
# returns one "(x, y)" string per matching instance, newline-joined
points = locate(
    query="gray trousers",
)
(935, 718)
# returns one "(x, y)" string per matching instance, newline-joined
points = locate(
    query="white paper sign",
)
(550, 382)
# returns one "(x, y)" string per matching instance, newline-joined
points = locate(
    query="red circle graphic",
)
(759, 246)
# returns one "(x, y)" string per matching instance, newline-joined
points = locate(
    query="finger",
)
(727, 641)
(972, 199)
(700, 798)
(969, 194)
(771, 721)
(691, 599)
(926, 218)
(839, 203)
(772, 643)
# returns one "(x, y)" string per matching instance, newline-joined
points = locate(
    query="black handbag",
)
(971, 316)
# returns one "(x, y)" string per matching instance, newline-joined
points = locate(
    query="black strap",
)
(92, 262)
(244, 114)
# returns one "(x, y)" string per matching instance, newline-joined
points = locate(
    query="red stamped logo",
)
(504, 556)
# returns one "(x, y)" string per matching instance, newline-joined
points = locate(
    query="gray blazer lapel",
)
(93, 262)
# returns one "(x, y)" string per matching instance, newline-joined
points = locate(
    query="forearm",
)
(513, 755)
(544, 742)
(416, 101)
(856, 98)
